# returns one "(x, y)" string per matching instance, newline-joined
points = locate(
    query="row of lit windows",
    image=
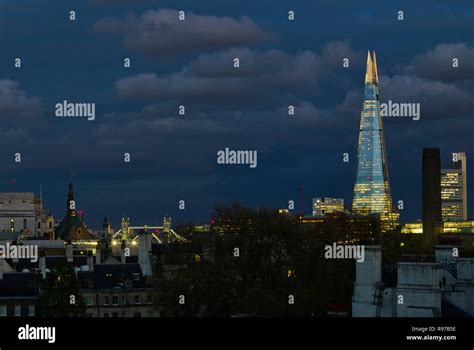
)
(25, 224)
(115, 314)
(448, 227)
(115, 300)
(16, 310)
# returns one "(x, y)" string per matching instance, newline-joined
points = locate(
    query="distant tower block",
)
(454, 190)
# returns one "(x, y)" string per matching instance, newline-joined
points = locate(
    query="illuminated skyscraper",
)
(372, 186)
(454, 190)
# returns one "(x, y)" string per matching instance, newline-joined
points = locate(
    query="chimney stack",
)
(431, 189)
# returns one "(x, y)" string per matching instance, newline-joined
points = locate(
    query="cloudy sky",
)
(190, 63)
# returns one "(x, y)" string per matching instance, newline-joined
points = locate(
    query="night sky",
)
(283, 63)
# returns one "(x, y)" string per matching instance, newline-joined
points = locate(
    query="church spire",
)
(106, 227)
(71, 204)
(106, 220)
(371, 75)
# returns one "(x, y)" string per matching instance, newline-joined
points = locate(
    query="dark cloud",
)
(272, 66)
(212, 78)
(437, 99)
(437, 64)
(180, 86)
(162, 33)
(15, 103)
(160, 128)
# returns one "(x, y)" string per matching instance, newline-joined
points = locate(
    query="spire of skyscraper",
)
(376, 74)
(371, 75)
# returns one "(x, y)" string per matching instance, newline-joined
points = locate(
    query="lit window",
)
(17, 311)
(31, 310)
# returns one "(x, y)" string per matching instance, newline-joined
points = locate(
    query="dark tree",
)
(61, 296)
(253, 262)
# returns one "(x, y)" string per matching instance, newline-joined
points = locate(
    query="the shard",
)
(372, 186)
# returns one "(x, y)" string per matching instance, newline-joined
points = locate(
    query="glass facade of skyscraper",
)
(372, 186)
(451, 195)
(453, 190)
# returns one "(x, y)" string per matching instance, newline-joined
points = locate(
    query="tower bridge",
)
(131, 233)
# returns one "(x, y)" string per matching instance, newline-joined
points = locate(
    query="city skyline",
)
(170, 161)
(284, 63)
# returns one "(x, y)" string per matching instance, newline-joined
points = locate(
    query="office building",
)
(23, 213)
(454, 190)
(323, 206)
(372, 187)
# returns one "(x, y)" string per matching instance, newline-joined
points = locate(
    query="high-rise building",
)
(431, 193)
(323, 206)
(372, 187)
(454, 190)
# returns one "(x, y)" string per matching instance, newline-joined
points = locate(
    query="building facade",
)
(458, 227)
(23, 212)
(323, 206)
(454, 190)
(372, 186)
(443, 286)
(122, 302)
